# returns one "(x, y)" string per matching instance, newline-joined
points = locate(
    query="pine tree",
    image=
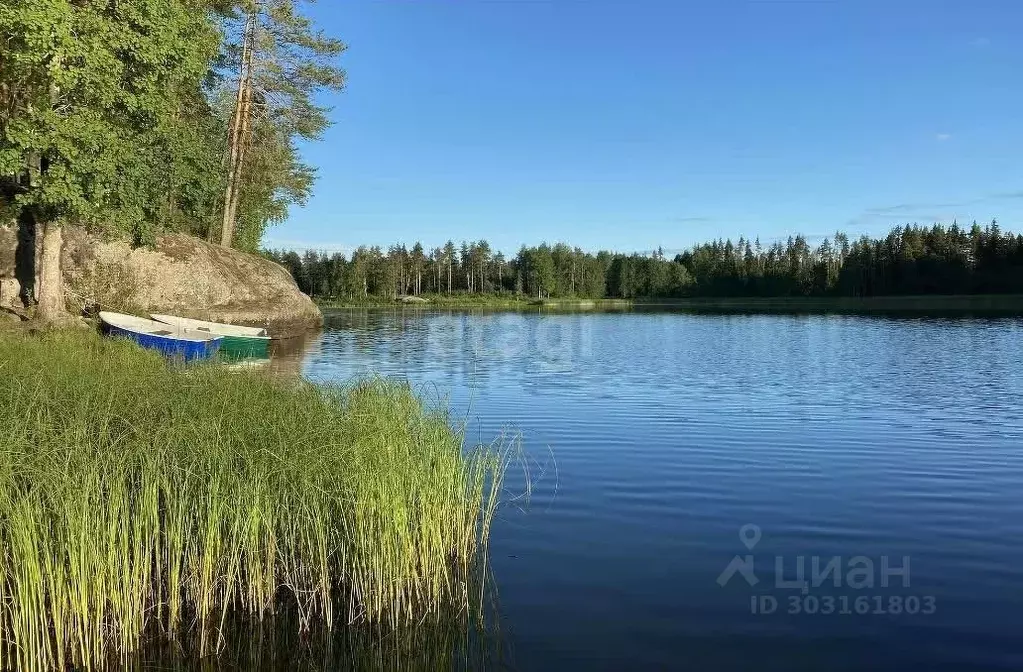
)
(449, 258)
(281, 63)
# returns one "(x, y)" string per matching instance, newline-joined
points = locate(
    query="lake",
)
(730, 492)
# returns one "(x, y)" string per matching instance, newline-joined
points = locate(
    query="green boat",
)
(239, 342)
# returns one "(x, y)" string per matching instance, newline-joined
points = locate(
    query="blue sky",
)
(632, 124)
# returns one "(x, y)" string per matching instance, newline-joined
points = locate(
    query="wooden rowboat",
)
(238, 342)
(165, 338)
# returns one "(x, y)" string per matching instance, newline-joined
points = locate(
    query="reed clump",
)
(140, 501)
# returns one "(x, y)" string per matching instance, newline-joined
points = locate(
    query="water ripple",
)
(659, 435)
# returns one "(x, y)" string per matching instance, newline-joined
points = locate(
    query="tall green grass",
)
(140, 501)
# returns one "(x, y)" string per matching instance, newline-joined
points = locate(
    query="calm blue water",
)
(653, 438)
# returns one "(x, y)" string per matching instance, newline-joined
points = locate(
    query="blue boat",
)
(169, 340)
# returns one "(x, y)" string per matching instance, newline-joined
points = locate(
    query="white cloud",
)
(980, 42)
(942, 137)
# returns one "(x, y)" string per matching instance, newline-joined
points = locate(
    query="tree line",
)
(542, 271)
(910, 260)
(151, 116)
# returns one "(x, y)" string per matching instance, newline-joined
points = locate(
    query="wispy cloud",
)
(911, 208)
(942, 137)
(980, 42)
(907, 212)
(925, 212)
(893, 209)
(869, 218)
(691, 220)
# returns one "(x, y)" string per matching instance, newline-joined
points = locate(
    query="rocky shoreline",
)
(180, 275)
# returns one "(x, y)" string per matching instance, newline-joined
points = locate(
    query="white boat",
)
(239, 342)
(217, 328)
(166, 338)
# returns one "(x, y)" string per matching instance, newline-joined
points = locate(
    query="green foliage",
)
(275, 62)
(136, 498)
(540, 272)
(274, 179)
(292, 62)
(911, 260)
(116, 114)
(91, 92)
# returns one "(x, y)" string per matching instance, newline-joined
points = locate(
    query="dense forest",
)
(910, 260)
(151, 116)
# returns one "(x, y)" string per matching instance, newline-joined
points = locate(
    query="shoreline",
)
(473, 301)
(965, 304)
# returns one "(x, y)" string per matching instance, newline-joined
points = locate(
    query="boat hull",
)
(235, 348)
(167, 345)
(239, 342)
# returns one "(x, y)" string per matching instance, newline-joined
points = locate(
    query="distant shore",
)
(1003, 304)
(985, 304)
(497, 301)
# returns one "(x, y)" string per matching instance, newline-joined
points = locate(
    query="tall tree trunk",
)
(244, 133)
(51, 283)
(239, 124)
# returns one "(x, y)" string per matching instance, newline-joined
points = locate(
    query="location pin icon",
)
(749, 535)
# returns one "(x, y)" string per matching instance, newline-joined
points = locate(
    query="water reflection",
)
(444, 641)
(287, 355)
